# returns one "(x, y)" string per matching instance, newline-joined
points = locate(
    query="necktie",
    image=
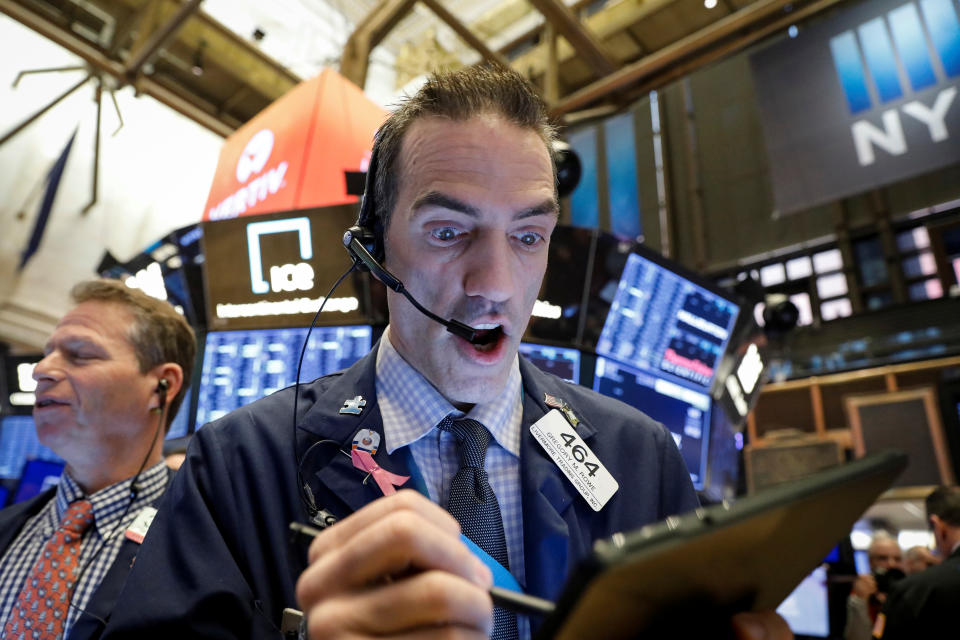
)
(474, 505)
(41, 607)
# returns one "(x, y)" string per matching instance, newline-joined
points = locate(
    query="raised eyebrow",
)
(437, 199)
(547, 207)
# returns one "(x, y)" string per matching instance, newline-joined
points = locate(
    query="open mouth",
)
(487, 337)
(46, 402)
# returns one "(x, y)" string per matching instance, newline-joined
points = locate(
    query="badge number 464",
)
(575, 459)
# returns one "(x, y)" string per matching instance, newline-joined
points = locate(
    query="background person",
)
(110, 382)
(917, 559)
(924, 605)
(870, 590)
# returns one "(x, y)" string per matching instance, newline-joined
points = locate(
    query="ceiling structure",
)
(223, 61)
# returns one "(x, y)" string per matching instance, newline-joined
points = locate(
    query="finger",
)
(761, 625)
(395, 545)
(422, 602)
(405, 500)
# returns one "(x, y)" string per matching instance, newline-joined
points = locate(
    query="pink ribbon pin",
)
(385, 479)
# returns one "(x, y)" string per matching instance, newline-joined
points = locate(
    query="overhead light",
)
(792, 31)
(197, 68)
(709, 4)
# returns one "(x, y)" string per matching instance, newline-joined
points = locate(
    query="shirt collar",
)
(403, 392)
(111, 503)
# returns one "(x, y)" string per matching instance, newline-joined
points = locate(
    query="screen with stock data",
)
(664, 323)
(683, 410)
(242, 366)
(560, 361)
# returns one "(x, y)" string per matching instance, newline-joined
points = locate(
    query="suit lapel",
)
(325, 437)
(15, 516)
(548, 519)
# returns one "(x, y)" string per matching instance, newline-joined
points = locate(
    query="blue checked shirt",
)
(108, 506)
(411, 409)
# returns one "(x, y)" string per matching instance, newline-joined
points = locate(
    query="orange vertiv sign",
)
(293, 154)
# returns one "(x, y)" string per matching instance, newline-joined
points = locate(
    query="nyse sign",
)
(861, 100)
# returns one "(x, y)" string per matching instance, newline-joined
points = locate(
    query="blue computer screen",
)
(242, 366)
(806, 609)
(560, 361)
(38, 476)
(664, 323)
(18, 443)
(684, 411)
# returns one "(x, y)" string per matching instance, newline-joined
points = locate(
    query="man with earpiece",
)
(456, 222)
(111, 380)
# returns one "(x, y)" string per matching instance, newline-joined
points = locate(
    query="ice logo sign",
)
(285, 277)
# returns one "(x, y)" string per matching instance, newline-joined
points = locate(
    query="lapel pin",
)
(353, 406)
(561, 404)
(366, 440)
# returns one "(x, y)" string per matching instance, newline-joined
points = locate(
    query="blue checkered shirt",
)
(108, 505)
(411, 409)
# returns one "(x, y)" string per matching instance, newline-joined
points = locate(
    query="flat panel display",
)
(667, 324)
(38, 476)
(242, 366)
(684, 411)
(560, 361)
(18, 444)
(274, 271)
(18, 395)
(806, 610)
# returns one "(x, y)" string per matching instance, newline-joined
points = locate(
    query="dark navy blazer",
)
(100, 606)
(218, 560)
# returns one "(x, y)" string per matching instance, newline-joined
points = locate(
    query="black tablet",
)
(686, 576)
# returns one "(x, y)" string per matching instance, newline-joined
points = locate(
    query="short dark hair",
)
(158, 334)
(458, 95)
(944, 502)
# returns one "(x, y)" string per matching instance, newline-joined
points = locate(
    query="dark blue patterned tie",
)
(474, 505)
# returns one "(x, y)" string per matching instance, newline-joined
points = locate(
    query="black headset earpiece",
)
(162, 386)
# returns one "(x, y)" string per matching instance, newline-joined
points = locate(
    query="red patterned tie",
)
(41, 607)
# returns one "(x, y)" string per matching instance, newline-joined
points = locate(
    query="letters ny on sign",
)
(284, 277)
(909, 49)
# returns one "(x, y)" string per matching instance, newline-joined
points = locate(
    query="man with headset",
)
(110, 382)
(457, 219)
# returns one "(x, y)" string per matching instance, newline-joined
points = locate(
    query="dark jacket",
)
(90, 623)
(218, 561)
(925, 605)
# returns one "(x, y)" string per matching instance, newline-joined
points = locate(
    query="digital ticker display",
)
(684, 411)
(242, 366)
(661, 322)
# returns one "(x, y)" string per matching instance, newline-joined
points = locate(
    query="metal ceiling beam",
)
(661, 60)
(569, 26)
(367, 35)
(700, 60)
(468, 36)
(158, 38)
(89, 53)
